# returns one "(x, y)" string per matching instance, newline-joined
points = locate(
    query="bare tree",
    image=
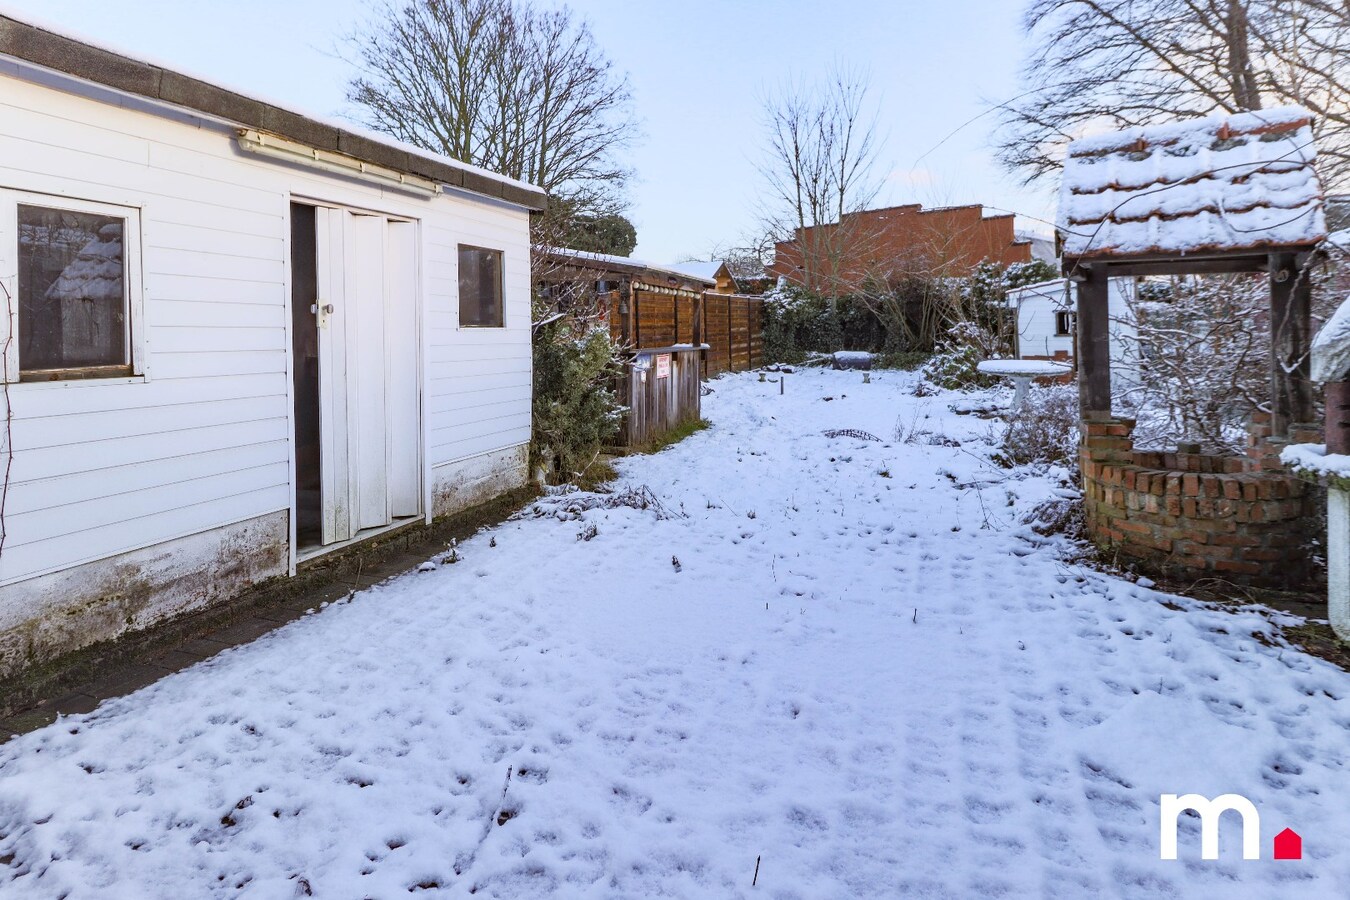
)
(1118, 63)
(502, 85)
(819, 167)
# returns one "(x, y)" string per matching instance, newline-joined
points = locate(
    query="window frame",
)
(501, 285)
(133, 290)
(1069, 323)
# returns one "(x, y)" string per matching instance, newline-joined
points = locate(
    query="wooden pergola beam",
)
(1234, 265)
(1094, 343)
(1292, 398)
(1292, 394)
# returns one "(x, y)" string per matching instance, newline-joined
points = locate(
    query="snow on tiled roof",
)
(1229, 182)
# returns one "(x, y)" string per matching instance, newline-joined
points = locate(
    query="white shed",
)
(237, 337)
(1046, 322)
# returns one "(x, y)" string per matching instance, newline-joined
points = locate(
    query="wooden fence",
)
(730, 324)
(734, 331)
(679, 337)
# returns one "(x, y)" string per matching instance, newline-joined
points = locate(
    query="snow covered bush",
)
(1044, 429)
(1058, 516)
(576, 409)
(902, 316)
(982, 297)
(795, 323)
(954, 365)
(798, 323)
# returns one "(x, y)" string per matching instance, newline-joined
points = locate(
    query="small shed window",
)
(73, 309)
(480, 287)
(1064, 323)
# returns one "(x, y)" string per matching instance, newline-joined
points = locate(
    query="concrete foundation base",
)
(52, 615)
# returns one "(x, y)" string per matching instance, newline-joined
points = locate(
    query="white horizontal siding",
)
(114, 453)
(104, 467)
(79, 544)
(478, 379)
(1036, 328)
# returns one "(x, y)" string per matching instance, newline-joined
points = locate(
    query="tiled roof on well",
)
(1224, 183)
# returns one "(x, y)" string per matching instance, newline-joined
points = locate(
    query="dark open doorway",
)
(305, 346)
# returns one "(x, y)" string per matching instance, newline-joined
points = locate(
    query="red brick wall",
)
(1192, 515)
(898, 240)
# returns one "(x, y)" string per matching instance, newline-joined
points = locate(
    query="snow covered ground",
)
(862, 673)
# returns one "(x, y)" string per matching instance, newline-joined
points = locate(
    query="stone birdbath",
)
(1022, 372)
(1329, 464)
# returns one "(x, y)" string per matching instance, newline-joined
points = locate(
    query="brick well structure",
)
(1230, 194)
(1189, 514)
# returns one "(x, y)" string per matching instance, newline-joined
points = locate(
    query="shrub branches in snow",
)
(571, 504)
(1044, 429)
(1202, 350)
(576, 410)
(904, 316)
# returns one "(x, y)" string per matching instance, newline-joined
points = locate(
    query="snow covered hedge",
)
(576, 409)
(903, 317)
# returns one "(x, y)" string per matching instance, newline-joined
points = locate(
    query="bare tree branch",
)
(503, 85)
(1119, 63)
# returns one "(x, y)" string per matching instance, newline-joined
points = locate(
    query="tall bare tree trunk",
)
(1246, 94)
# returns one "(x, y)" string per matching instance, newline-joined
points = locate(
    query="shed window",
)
(73, 297)
(480, 287)
(1064, 323)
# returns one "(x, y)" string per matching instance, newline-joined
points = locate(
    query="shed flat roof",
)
(52, 49)
(604, 262)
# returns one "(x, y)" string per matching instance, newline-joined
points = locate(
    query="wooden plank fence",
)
(732, 325)
(679, 338)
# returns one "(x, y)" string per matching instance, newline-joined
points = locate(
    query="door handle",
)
(326, 309)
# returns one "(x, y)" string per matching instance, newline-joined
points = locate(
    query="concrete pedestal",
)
(1338, 561)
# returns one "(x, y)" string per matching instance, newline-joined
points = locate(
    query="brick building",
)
(879, 244)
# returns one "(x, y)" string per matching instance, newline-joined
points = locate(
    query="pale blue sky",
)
(698, 70)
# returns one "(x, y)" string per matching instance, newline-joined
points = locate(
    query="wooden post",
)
(1094, 344)
(731, 339)
(749, 333)
(1338, 416)
(637, 320)
(1291, 388)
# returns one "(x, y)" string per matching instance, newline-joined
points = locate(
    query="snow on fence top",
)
(1224, 183)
